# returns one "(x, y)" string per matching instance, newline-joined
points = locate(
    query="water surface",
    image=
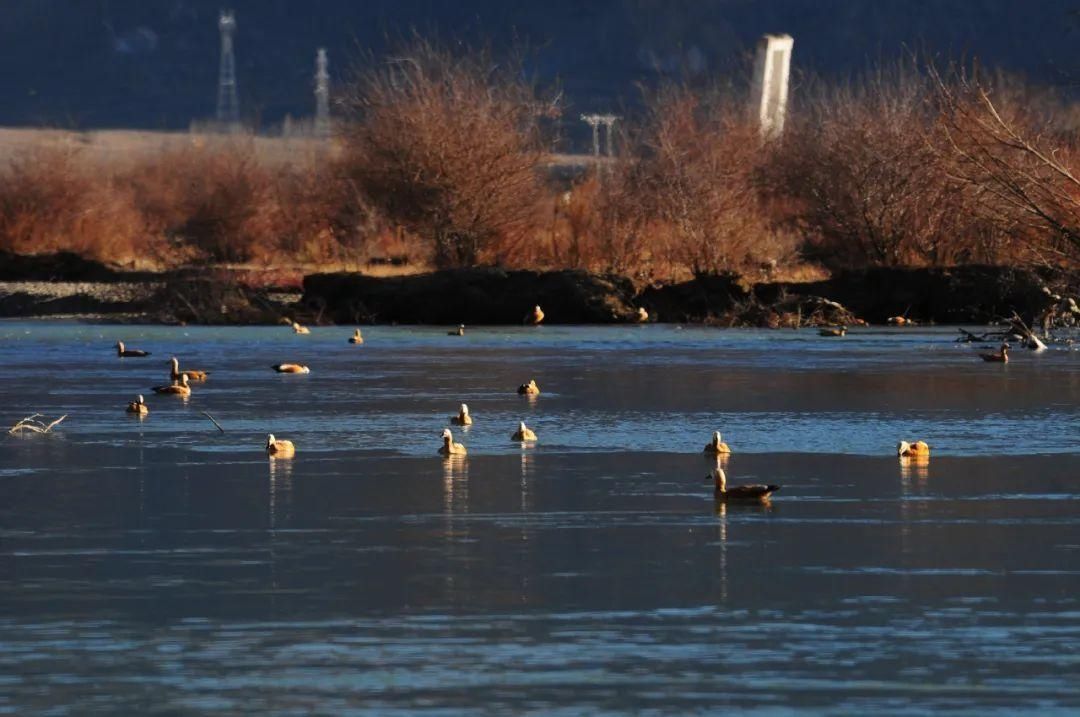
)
(162, 567)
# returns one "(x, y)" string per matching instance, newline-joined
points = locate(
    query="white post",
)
(772, 68)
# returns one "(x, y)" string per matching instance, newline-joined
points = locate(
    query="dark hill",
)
(153, 63)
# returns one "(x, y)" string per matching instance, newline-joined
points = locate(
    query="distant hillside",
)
(153, 63)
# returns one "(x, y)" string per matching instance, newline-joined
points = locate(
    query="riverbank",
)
(66, 285)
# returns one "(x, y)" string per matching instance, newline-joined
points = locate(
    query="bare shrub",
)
(862, 182)
(207, 201)
(51, 200)
(450, 146)
(1015, 153)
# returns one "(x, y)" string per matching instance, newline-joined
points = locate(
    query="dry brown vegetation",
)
(445, 160)
(450, 147)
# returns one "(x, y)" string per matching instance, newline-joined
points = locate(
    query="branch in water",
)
(31, 423)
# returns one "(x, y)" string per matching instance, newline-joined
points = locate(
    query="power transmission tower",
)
(228, 107)
(595, 121)
(322, 95)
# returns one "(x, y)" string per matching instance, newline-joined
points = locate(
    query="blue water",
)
(160, 566)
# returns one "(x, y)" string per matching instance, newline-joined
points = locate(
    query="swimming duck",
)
(999, 356)
(901, 321)
(747, 493)
(176, 388)
(129, 353)
(536, 316)
(449, 448)
(459, 331)
(716, 446)
(279, 449)
(838, 331)
(523, 433)
(356, 338)
(192, 374)
(918, 449)
(463, 418)
(642, 315)
(529, 389)
(138, 406)
(290, 368)
(298, 329)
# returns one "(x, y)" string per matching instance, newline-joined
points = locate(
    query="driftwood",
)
(1028, 337)
(32, 424)
(968, 337)
(1017, 328)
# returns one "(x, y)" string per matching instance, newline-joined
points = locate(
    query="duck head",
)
(139, 400)
(902, 447)
(119, 345)
(447, 436)
(521, 427)
(270, 440)
(716, 438)
(464, 410)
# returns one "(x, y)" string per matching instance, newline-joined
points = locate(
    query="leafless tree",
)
(1019, 167)
(449, 144)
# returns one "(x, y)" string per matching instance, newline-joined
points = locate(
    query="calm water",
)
(162, 567)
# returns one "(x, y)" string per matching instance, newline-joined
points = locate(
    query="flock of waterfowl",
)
(917, 451)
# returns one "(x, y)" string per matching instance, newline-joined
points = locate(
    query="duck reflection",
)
(527, 469)
(717, 460)
(455, 484)
(917, 467)
(280, 491)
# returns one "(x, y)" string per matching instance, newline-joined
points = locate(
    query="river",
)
(161, 566)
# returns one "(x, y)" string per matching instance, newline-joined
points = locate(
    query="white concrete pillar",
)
(769, 93)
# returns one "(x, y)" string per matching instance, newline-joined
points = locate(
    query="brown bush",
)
(1015, 153)
(51, 200)
(449, 145)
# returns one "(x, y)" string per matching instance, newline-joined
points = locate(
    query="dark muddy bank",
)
(471, 296)
(68, 285)
(970, 294)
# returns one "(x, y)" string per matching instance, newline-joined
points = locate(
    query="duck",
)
(536, 316)
(523, 433)
(298, 329)
(901, 321)
(838, 331)
(716, 446)
(279, 449)
(529, 389)
(192, 374)
(356, 338)
(463, 418)
(459, 331)
(290, 368)
(642, 315)
(918, 449)
(449, 448)
(138, 406)
(176, 388)
(999, 356)
(129, 353)
(745, 493)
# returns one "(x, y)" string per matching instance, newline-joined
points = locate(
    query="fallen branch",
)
(30, 423)
(1031, 341)
(213, 421)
